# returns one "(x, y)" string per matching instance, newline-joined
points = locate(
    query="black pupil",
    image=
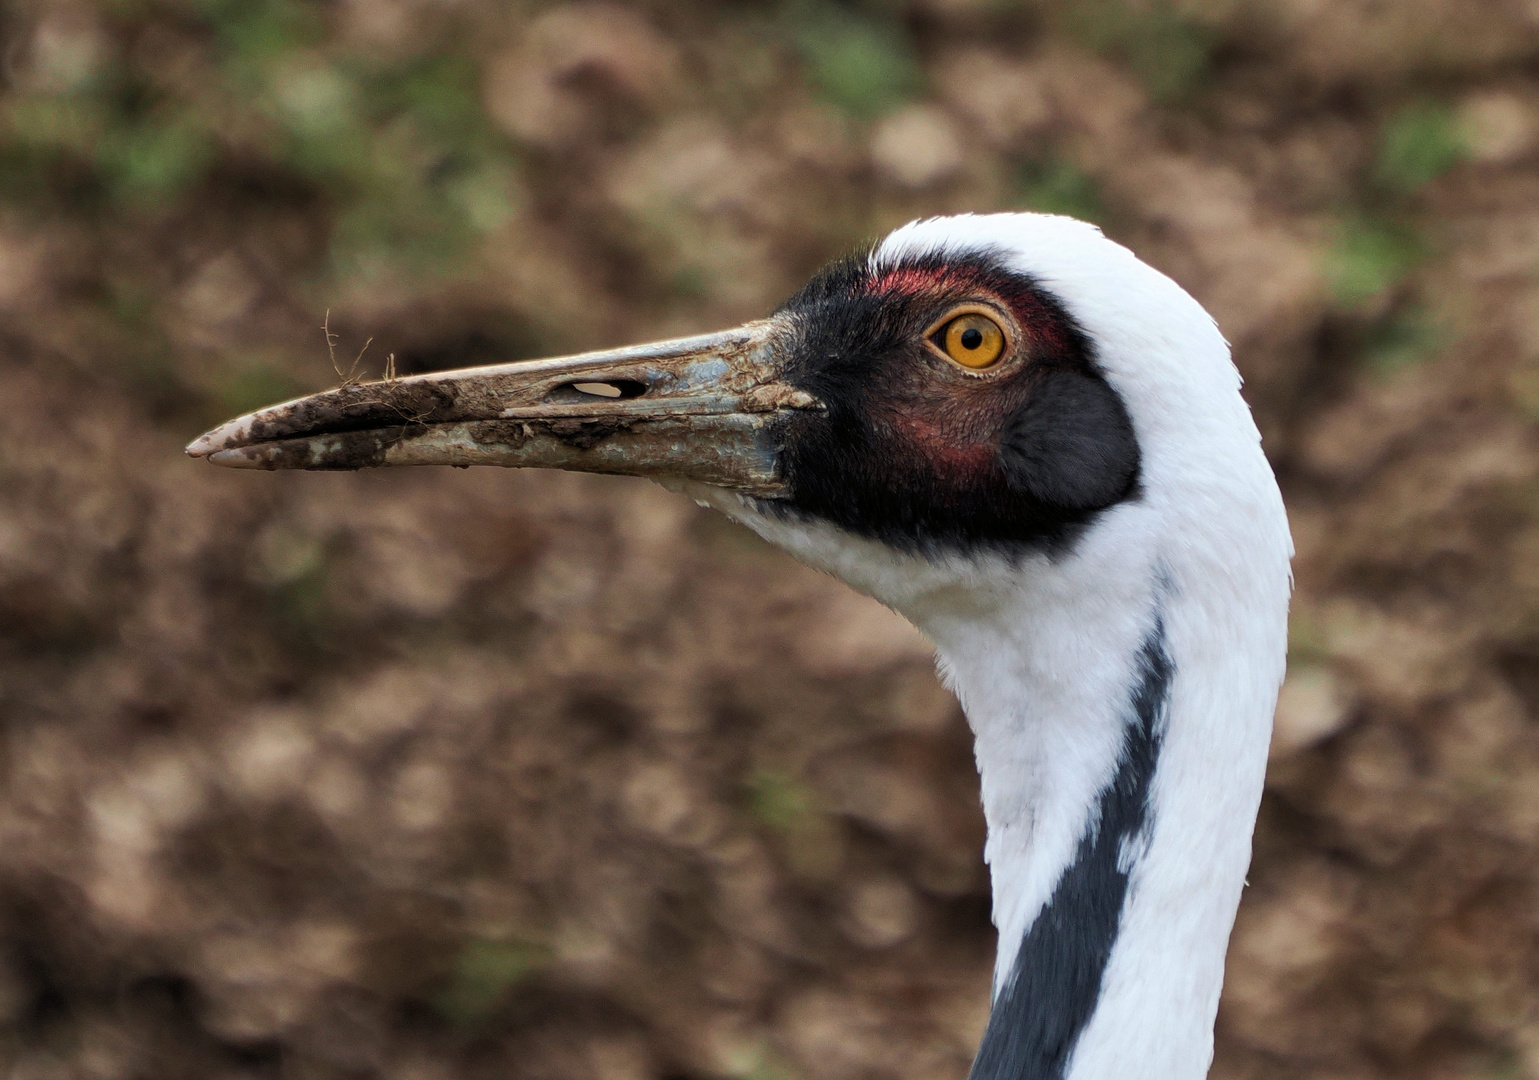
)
(972, 338)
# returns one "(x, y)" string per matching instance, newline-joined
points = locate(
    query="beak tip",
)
(220, 438)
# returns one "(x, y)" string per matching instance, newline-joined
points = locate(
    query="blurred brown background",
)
(469, 774)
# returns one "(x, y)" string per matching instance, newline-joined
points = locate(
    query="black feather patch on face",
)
(923, 455)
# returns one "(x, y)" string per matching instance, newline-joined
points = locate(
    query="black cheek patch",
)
(924, 459)
(1070, 445)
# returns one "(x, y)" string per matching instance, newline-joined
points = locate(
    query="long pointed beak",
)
(698, 408)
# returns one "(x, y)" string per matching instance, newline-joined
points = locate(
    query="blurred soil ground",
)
(465, 774)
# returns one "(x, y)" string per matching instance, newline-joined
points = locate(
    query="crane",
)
(1031, 444)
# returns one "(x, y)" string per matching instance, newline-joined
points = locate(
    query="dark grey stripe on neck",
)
(1056, 981)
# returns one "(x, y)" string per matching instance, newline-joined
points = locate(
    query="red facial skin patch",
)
(940, 443)
(946, 281)
(954, 426)
(912, 281)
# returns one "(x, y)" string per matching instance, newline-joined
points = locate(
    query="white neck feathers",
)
(1049, 656)
(1102, 653)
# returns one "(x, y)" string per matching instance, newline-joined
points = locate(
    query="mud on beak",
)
(698, 408)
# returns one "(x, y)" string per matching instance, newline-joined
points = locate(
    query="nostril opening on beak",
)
(612, 389)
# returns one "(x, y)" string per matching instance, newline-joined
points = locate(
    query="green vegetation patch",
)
(1307, 639)
(811, 841)
(253, 384)
(1523, 384)
(1058, 186)
(1408, 336)
(417, 170)
(123, 143)
(1369, 256)
(1167, 49)
(484, 972)
(859, 60)
(780, 801)
(401, 151)
(1419, 144)
(152, 161)
(261, 32)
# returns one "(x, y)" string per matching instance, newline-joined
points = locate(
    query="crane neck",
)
(1121, 749)
(1120, 693)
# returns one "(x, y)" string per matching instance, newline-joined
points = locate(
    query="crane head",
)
(932, 394)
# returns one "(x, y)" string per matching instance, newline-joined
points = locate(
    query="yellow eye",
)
(973, 340)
